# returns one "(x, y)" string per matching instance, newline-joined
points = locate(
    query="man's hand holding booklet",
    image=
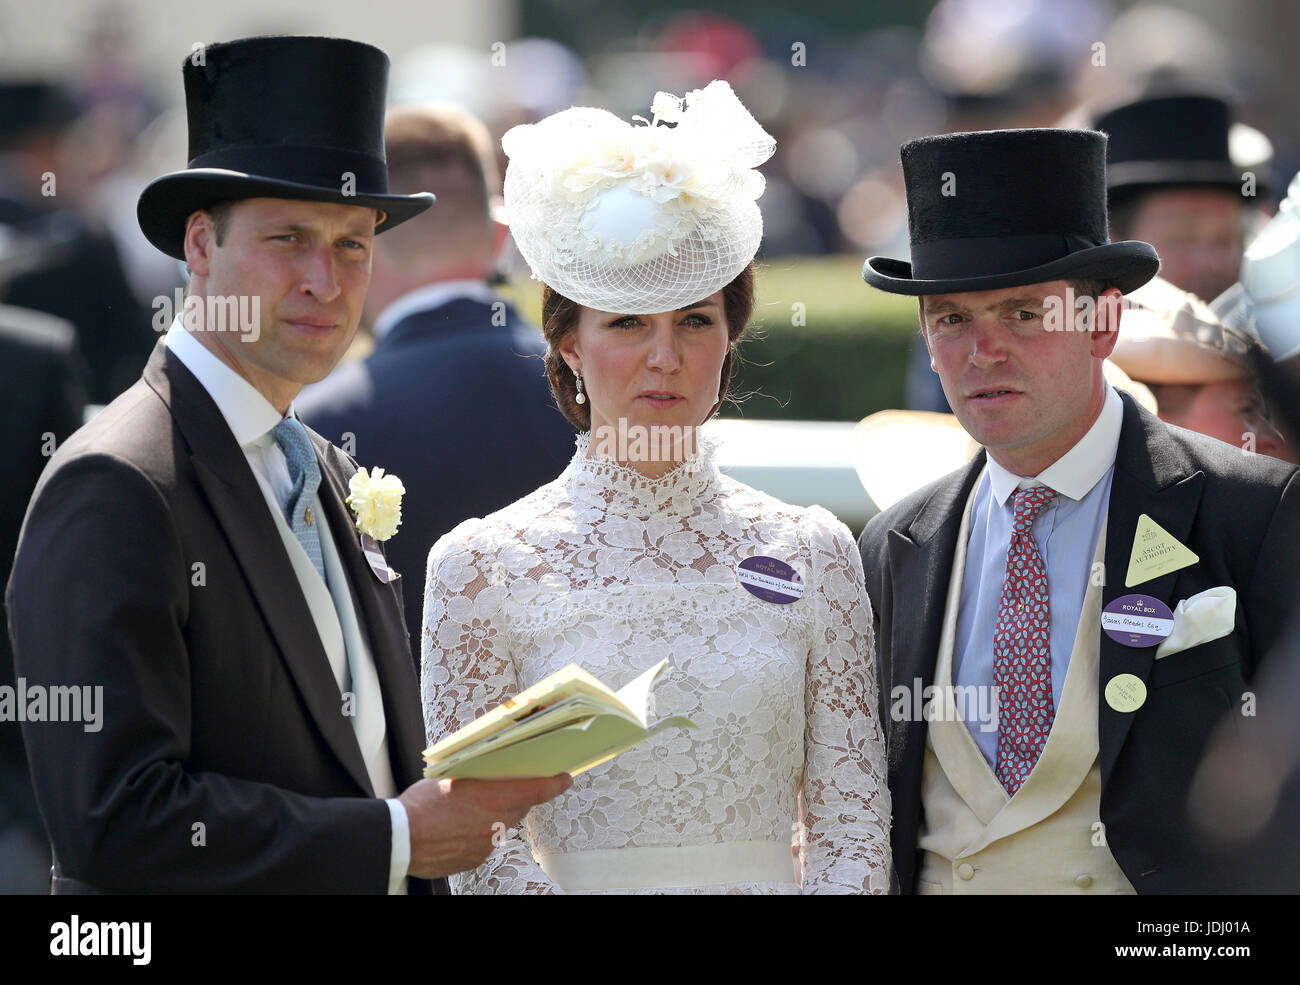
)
(567, 723)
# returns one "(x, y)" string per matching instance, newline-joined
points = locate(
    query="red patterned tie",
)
(1022, 655)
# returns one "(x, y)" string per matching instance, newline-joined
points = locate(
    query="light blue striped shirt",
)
(1066, 533)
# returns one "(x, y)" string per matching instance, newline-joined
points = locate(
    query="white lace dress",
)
(614, 572)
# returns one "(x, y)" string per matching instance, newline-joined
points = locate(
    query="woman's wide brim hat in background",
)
(1170, 336)
(279, 117)
(1173, 140)
(1270, 279)
(1004, 208)
(639, 219)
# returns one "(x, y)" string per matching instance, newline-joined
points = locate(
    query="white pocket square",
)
(1205, 616)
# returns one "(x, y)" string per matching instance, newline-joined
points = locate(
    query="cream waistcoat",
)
(1048, 838)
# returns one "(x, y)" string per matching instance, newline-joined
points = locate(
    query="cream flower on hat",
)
(639, 218)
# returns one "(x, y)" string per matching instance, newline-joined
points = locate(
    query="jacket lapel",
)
(919, 559)
(243, 513)
(1152, 476)
(380, 607)
(921, 562)
(958, 756)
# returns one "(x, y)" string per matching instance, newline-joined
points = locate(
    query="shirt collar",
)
(1079, 469)
(427, 298)
(248, 414)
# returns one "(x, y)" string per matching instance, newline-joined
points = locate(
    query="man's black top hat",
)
(1168, 140)
(29, 106)
(279, 117)
(1002, 208)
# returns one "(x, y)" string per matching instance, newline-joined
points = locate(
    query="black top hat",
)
(279, 117)
(1168, 140)
(1001, 208)
(30, 106)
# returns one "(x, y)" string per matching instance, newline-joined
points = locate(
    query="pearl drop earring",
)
(581, 397)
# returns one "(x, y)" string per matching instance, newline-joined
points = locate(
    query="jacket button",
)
(966, 870)
(1083, 880)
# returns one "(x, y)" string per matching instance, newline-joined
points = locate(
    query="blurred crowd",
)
(1202, 154)
(839, 106)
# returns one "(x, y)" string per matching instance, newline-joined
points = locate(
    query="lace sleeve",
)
(467, 670)
(845, 794)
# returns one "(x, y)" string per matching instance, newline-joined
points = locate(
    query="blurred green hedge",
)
(847, 360)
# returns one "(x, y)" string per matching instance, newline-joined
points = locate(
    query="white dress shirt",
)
(251, 417)
(1065, 533)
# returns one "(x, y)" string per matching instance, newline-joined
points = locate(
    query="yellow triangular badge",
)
(1156, 552)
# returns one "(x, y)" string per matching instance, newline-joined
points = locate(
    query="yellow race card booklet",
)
(567, 723)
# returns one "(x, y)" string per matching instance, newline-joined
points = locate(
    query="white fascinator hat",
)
(643, 217)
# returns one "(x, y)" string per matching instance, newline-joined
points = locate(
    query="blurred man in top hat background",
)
(259, 727)
(112, 325)
(456, 375)
(993, 580)
(1171, 182)
(1177, 178)
(42, 398)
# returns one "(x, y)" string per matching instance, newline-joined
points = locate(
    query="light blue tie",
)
(292, 438)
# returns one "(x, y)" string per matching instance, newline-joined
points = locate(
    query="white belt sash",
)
(670, 867)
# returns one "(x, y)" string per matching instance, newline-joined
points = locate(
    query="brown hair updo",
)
(560, 317)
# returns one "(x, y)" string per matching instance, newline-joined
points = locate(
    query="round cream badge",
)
(1125, 692)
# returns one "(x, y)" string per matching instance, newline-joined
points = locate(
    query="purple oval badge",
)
(1137, 620)
(769, 579)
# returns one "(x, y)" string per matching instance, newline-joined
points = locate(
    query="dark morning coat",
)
(150, 564)
(1240, 514)
(42, 399)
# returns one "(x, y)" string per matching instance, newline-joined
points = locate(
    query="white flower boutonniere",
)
(376, 500)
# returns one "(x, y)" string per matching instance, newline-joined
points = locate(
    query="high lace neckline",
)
(621, 490)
